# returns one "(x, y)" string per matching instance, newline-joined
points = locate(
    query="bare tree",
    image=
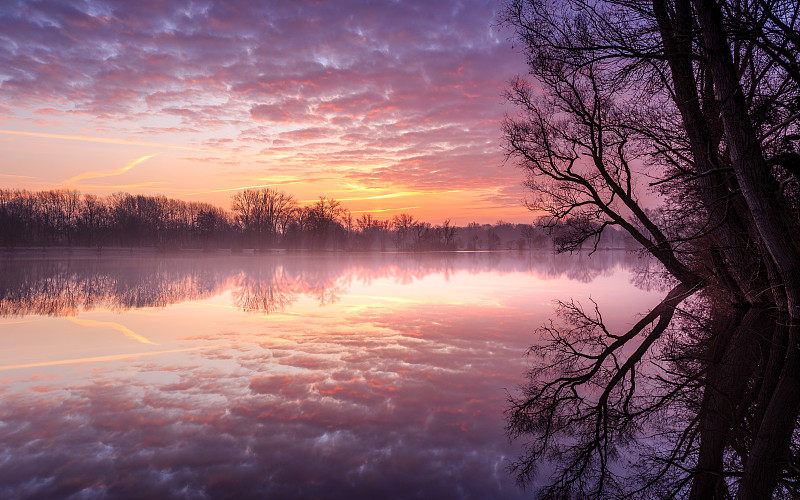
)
(691, 99)
(448, 235)
(403, 226)
(323, 219)
(264, 213)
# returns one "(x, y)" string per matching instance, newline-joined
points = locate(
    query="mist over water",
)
(307, 375)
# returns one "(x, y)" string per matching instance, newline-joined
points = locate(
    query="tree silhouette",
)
(694, 101)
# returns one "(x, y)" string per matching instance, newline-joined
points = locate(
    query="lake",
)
(333, 375)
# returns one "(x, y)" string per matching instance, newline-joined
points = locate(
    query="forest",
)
(261, 218)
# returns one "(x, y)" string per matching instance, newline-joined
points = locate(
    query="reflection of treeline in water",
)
(259, 218)
(66, 286)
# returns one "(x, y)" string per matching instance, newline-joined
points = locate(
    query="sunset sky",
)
(387, 106)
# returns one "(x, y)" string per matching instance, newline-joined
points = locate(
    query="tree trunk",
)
(764, 465)
(734, 358)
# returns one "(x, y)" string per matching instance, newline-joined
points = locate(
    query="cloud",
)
(308, 134)
(462, 170)
(290, 111)
(400, 88)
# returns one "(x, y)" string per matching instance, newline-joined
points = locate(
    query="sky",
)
(389, 107)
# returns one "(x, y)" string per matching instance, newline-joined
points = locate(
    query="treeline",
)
(258, 219)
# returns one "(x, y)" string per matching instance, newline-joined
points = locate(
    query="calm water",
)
(280, 376)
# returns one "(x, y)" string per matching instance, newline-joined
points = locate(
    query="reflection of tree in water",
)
(63, 287)
(265, 283)
(325, 279)
(328, 292)
(267, 291)
(579, 266)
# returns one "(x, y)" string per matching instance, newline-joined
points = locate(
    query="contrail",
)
(106, 173)
(107, 140)
(376, 210)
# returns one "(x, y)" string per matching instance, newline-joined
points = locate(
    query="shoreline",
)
(151, 251)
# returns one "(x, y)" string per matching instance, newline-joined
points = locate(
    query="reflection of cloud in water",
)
(399, 395)
(375, 414)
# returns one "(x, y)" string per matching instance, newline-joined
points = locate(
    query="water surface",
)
(276, 376)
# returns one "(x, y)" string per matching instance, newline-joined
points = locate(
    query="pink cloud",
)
(292, 110)
(308, 134)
